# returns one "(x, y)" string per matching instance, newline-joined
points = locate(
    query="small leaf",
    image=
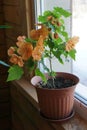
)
(30, 41)
(65, 34)
(15, 73)
(50, 43)
(39, 73)
(52, 74)
(47, 13)
(56, 15)
(72, 54)
(30, 64)
(58, 56)
(42, 19)
(63, 12)
(60, 60)
(58, 41)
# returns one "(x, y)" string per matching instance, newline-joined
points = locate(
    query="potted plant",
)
(49, 40)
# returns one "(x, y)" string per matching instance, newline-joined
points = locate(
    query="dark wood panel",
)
(0, 8)
(1, 2)
(4, 94)
(3, 82)
(2, 40)
(11, 2)
(3, 69)
(1, 18)
(14, 32)
(12, 14)
(2, 50)
(5, 123)
(20, 121)
(17, 123)
(4, 109)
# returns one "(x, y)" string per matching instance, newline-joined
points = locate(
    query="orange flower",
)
(17, 60)
(37, 53)
(20, 43)
(25, 50)
(38, 50)
(40, 41)
(11, 51)
(21, 38)
(49, 18)
(35, 34)
(71, 43)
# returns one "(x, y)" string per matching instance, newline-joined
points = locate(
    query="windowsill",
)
(75, 122)
(81, 100)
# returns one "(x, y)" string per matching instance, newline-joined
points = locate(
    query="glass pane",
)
(48, 5)
(79, 28)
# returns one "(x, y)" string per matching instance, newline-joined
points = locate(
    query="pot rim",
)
(34, 81)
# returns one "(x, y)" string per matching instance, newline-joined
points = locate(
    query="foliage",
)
(49, 40)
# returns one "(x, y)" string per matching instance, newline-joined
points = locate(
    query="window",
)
(46, 5)
(79, 27)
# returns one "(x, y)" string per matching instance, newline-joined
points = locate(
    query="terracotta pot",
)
(56, 104)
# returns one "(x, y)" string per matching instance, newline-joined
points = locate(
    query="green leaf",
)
(65, 34)
(56, 15)
(31, 41)
(60, 60)
(58, 56)
(42, 19)
(62, 11)
(72, 54)
(60, 29)
(15, 73)
(58, 41)
(39, 73)
(50, 43)
(52, 74)
(47, 13)
(31, 64)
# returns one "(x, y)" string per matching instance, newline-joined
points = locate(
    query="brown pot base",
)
(59, 120)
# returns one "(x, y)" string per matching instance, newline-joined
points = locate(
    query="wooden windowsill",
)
(75, 123)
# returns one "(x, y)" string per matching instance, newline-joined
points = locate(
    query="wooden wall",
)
(15, 16)
(4, 88)
(13, 13)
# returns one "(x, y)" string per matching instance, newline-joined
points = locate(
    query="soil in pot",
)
(57, 83)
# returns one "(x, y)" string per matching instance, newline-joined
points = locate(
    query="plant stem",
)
(50, 61)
